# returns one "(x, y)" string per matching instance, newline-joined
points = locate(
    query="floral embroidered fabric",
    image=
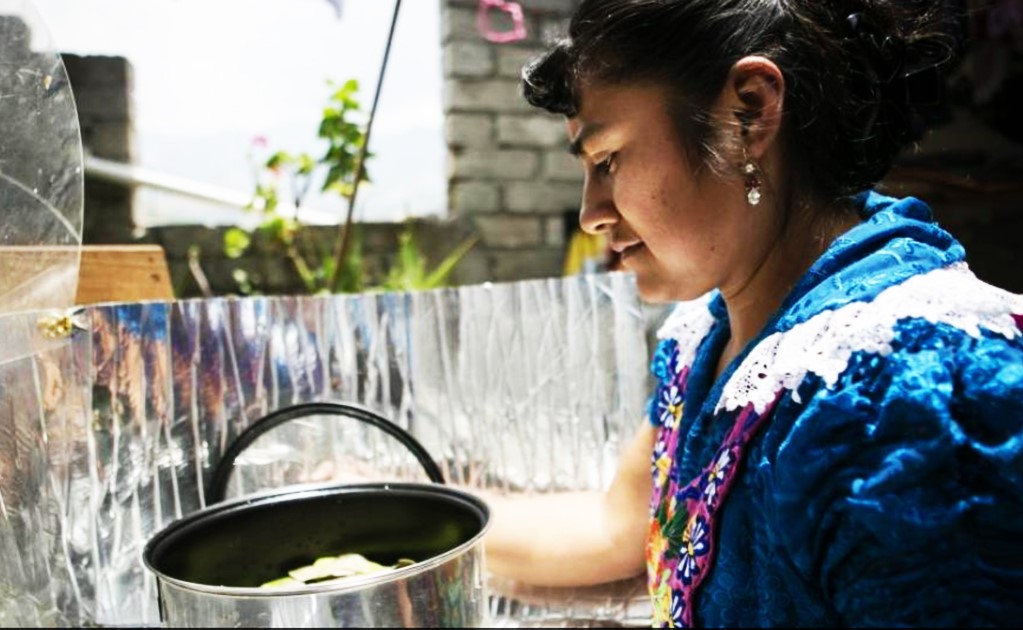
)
(874, 428)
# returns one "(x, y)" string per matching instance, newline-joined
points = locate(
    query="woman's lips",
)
(621, 246)
(631, 250)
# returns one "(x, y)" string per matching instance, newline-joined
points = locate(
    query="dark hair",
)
(855, 71)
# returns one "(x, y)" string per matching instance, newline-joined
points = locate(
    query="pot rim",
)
(354, 583)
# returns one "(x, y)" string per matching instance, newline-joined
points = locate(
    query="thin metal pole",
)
(344, 239)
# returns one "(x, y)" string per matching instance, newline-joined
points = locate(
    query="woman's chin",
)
(654, 289)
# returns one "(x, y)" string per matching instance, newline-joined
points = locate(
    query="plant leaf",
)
(440, 275)
(236, 242)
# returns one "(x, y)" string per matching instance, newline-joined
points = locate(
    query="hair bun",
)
(913, 62)
(899, 53)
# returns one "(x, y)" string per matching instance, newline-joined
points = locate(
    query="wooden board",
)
(123, 273)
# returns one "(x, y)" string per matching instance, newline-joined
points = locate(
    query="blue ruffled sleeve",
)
(899, 490)
(662, 367)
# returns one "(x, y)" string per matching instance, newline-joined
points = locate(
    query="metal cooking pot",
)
(210, 565)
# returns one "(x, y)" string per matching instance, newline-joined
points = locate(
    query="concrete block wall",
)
(274, 274)
(509, 174)
(102, 89)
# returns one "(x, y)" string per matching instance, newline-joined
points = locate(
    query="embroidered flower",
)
(662, 458)
(656, 547)
(694, 545)
(662, 597)
(678, 606)
(669, 406)
(674, 365)
(662, 466)
(716, 476)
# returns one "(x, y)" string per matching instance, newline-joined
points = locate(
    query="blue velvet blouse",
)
(861, 462)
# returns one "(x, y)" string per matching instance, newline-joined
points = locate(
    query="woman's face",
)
(682, 234)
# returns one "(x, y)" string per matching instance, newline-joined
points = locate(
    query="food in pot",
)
(332, 569)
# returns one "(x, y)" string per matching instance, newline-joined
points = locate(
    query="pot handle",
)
(222, 472)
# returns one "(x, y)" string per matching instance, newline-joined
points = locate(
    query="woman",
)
(836, 436)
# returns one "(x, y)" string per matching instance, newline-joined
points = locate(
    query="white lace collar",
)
(824, 344)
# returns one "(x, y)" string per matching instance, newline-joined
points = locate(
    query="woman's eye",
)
(606, 165)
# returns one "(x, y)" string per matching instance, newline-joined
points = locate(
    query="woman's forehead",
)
(602, 103)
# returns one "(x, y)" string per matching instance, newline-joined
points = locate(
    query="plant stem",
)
(301, 267)
(195, 267)
(342, 244)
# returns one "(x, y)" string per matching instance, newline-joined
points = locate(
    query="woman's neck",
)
(751, 304)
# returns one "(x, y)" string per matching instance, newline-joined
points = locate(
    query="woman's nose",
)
(597, 214)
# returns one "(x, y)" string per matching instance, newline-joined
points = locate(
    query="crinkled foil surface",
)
(108, 436)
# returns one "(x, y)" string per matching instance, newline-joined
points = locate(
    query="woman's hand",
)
(575, 538)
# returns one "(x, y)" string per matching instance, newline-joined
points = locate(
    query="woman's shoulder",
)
(903, 448)
(945, 307)
(679, 336)
(886, 396)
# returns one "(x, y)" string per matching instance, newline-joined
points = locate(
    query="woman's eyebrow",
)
(576, 146)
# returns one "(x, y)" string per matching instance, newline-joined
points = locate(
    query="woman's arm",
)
(576, 538)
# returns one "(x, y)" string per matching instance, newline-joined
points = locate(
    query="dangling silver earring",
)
(754, 185)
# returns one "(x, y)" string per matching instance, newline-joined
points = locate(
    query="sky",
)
(212, 75)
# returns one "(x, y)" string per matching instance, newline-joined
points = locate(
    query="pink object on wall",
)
(513, 9)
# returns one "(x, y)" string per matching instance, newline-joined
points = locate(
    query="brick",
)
(468, 59)
(505, 231)
(560, 165)
(510, 266)
(109, 140)
(176, 239)
(458, 23)
(469, 131)
(549, 6)
(507, 165)
(511, 59)
(109, 218)
(554, 232)
(489, 95)
(182, 280)
(438, 237)
(473, 269)
(98, 70)
(473, 197)
(102, 104)
(537, 130)
(544, 197)
(376, 237)
(277, 277)
(220, 273)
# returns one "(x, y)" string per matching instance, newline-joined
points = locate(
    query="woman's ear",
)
(754, 96)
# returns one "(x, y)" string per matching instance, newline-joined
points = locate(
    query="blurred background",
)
(193, 113)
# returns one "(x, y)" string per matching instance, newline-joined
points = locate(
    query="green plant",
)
(290, 176)
(287, 174)
(410, 271)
